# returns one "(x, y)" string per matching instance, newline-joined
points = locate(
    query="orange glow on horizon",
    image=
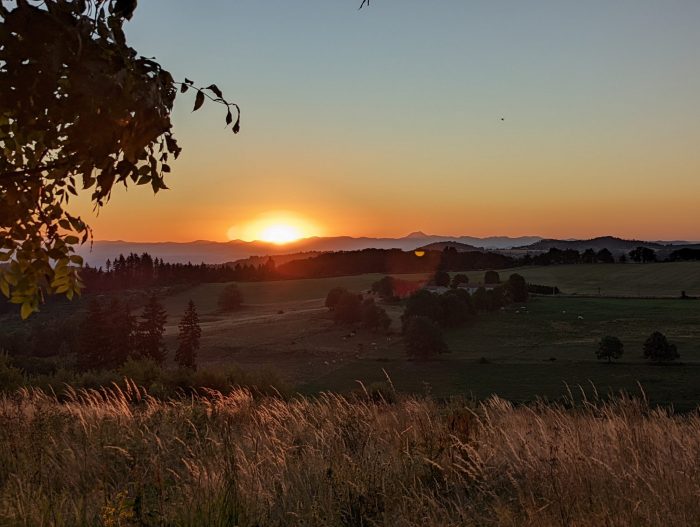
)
(274, 227)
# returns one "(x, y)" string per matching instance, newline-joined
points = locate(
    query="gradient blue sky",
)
(387, 120)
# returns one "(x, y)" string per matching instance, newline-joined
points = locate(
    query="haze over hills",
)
(222, 252)
(613, 244)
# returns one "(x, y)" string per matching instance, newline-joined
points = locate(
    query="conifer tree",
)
(151, 328)
(93, 347)
(188, 338)
(121, 328)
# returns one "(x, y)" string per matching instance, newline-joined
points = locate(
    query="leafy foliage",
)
(79, 110)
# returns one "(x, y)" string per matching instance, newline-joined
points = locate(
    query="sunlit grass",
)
(121, 457)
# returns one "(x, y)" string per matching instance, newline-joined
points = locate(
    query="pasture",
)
(522, 354)
(518, 353)
(633, 280)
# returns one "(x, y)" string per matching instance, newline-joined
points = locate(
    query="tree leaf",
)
(198, 101)
(214, 88)
(26, 310)
(229, 118)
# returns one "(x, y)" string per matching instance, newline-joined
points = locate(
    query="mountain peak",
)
(417, 234)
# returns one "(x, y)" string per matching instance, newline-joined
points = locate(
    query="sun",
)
(280, 233)
(278, 227)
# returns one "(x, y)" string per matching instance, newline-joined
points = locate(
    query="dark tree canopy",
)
(423, 338)
(80, 110)
(348, 309)
(658, 349)
(230, 298)
(492, 277)
(517, 288)
(609, 348)
(151, 328)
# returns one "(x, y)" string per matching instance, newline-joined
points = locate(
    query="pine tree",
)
(121, 329)
(190, 333)
(151, 328)
(94, 341)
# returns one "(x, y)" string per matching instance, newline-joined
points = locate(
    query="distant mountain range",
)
(221, 252)
(254, 252)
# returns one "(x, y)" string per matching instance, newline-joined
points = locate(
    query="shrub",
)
(143, 371)
(11, 378)
(423, 338)
(658, 349)
(609, 348)
(230, 298)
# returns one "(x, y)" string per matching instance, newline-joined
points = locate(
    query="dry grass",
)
(120, 457)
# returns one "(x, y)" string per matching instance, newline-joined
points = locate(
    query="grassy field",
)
(274, 293)
(662, 279)
(121, 458)
(523, 353)
(518, 353)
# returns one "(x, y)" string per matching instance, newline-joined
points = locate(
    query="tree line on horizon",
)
(141, 271)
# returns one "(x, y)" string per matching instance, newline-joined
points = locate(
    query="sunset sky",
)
(387, 120)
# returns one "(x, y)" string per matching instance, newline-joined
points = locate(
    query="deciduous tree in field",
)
(384, 287)
(517, 288)
(348, 309)
(423, 338)
(609, 348)
(333, 297)
(230, 298)
(188, 338)
(658, 349)
(422, 303)
(151, 328)
(458, 280)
